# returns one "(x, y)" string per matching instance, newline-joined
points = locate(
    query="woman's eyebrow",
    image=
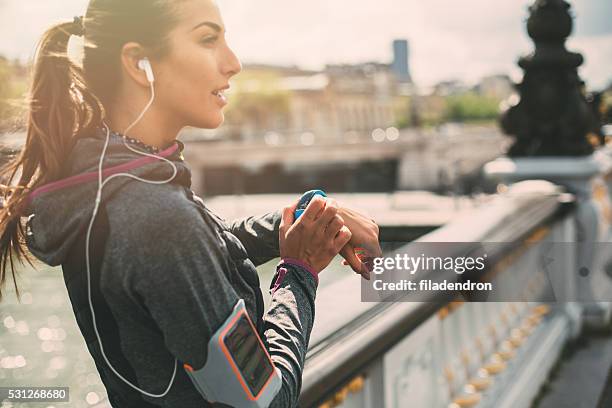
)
(210, 24)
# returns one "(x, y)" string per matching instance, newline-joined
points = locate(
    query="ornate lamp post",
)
(551, 123)
(552, 117)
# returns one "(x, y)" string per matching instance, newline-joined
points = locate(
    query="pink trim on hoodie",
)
(85, 177)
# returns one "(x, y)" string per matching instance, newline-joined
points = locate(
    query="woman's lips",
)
(220, 96)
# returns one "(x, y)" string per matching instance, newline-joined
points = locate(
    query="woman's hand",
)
(316, 237)
(365, 234)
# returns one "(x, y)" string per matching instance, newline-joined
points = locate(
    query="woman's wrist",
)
(302, 264)
(284, 267)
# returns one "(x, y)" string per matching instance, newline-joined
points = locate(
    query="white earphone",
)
(145, 65)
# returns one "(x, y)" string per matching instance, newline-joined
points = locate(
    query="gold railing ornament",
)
(352, 387)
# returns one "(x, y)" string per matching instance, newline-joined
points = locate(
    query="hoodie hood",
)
(59, 212)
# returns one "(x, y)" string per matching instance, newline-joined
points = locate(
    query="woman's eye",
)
(209, 40)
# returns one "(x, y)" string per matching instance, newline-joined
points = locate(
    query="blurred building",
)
(280, 104)
(450, 87)
(401, 61)
(286, 104)
(497, 87)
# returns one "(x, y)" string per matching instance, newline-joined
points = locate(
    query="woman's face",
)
(190, 79)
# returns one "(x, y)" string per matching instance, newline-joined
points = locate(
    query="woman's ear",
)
(131, 55)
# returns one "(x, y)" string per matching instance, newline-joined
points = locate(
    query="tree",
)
(13, 87)
(471, 106)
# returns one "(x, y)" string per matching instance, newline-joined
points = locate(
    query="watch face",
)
(305, 200)
(303, 203)
(307, 197)
(249, 355)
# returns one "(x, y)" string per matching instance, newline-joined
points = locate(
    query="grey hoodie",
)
(165, 273)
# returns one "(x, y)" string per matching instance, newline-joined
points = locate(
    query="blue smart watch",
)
(305, 200)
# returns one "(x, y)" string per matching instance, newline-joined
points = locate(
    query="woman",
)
(153, 276)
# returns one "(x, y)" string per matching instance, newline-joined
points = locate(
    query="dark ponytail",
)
(60, 106)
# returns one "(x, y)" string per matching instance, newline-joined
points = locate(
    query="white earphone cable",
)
(101, 184)
(139, 118)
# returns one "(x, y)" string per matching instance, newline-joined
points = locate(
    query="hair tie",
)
(78, 27)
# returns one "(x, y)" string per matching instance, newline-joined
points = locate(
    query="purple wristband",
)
(282, 272)
(304, 265)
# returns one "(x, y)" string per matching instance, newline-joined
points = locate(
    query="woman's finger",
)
(348, 252)
(287, 218)
(314, 208)
(342, 238)
(328, 216)
(334, 227)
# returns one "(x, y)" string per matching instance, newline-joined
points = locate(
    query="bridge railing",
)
(442, 351)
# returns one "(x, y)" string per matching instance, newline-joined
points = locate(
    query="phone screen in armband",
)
(238, 370)
(248, 354)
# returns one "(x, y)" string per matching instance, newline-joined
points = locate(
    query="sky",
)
(449, 39)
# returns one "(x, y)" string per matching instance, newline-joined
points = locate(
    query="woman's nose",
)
(232, 65)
